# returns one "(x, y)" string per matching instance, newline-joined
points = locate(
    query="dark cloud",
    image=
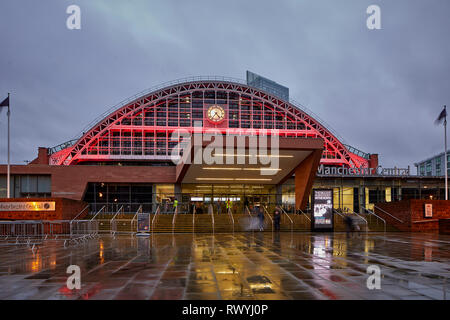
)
(381, 90)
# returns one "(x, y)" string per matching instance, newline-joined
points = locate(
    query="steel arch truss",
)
(129, 133)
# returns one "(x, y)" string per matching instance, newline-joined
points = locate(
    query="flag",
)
(442, 115)
(5, 103)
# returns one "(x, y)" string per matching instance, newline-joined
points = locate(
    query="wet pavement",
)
(240, 266)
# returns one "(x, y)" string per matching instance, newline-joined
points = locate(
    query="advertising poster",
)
(143, 224)
(428, 210)
(322, 219)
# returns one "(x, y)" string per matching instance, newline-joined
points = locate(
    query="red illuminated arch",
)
(139, 130)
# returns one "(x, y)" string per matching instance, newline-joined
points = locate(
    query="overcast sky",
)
(381, 90)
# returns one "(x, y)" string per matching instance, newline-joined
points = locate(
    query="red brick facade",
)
(412, 214)
(444, 226)
(71, 181)
(65, 209)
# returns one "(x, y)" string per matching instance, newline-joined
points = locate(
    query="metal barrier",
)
(21, 228)
(32, 232)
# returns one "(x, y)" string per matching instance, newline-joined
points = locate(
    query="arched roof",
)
(97, 143)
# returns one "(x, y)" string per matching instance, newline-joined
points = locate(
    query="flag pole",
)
(8, 180)
(445, 159)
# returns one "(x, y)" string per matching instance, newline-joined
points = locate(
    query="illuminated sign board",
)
(143, 224)
(28, 206)
(379, 171)
(428, 210)
(322, 218)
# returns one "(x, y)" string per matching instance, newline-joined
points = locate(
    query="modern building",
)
(434, 166)
(126, 156)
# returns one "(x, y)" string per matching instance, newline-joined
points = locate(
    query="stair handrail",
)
(158, 209)
(175, 212)
(139, 210)
(193, 218)
(248, 211)
(335, 211)
(365, 220)
(373, 213)
(101, 209)
(84, 209)
(388, 214)
(71, 221)
(114, 217)
(211, 209)
(112, 221)
(268, 214)
(301, 212)
(292, 222)
(230, 213)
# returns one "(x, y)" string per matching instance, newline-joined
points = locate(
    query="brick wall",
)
(71, 181)
(65, 209)
(412, 213)
(444, 226)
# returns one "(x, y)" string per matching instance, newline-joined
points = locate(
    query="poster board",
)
(322, 214)
(143, 222)
(428, 210)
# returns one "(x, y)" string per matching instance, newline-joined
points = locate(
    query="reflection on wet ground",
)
(242, 266)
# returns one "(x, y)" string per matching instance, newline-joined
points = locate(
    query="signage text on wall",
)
(28, 206)
(379, 171)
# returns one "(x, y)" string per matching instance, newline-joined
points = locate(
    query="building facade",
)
(126, 157)
(434, 166)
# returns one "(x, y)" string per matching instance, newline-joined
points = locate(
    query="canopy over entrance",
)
(226, 160)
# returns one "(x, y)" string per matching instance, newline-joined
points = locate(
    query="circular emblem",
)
(46, 206)
(216, 114)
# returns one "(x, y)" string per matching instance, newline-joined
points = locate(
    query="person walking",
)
(277, 218)
(175, 205)
(348, 221)
(260, 214)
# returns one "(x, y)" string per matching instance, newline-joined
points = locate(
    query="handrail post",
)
(292, 222)
(230, 213)
(174, 217)
(211, 209)
(401, 221)
(102, 208)
(268, 214)
(367, 224)
(373, 213)
(112, 222)
(139, 210)
(154, 217)
(70, 223)
(193, 219)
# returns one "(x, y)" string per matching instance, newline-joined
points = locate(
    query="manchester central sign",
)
(28, 206)
(379, 171)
